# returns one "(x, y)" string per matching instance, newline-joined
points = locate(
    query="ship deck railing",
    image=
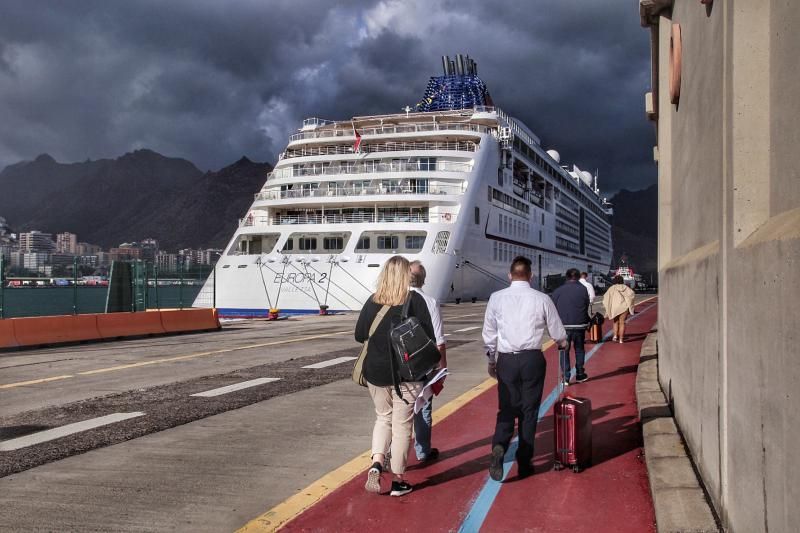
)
(395, 146)
(365, 218)
(364, 167)
(365, 191)
(388, 130)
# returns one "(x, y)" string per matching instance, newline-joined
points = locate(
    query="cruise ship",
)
(453, 181)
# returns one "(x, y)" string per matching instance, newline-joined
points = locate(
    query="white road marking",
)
(467, 329)
(331, 362)
(63, 431)
(447, 334)
(236, 386)
(465, 316)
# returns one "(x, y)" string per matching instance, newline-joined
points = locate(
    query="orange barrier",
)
(114, 325)
(7, 338)
(33, 331)
(41, 330)
(178, 320)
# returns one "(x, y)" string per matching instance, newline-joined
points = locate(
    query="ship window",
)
(308, 244)
(542, 221)
(288, 245)
(500, 177)
(335, 244)
(387, 242)
(540, 235)
(427, 163)
(414, 243)
(494, 250)
(363, 243)
(477, 215)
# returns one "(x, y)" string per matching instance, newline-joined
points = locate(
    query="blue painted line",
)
(483, 503)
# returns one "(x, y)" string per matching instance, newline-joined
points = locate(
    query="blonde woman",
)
(618, 302)
(394, 417)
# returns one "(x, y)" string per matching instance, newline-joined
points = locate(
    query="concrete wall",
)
(729, 253)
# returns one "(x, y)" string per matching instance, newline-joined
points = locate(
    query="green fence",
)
(151, 288)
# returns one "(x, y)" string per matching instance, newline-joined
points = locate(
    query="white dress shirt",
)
(516, 319)
(590, 289)
(436, 316)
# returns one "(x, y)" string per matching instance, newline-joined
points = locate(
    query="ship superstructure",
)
(454, 182)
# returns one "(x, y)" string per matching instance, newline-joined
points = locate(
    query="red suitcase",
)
(572, 430)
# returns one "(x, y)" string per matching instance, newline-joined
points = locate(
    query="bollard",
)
(474, 299)
(273, 314)
(458, 300)
(323, 310)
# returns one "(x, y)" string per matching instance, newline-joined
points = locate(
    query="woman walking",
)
(618, 302)
(394, 417)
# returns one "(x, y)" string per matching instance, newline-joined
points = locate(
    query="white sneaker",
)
(373, 483)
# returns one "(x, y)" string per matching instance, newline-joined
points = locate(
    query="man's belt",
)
(521, 352)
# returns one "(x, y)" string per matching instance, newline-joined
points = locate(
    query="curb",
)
(678, 496)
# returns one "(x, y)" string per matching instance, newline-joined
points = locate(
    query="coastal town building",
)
(84, 248)
(723, 100)
(67, 243)
(36, 242)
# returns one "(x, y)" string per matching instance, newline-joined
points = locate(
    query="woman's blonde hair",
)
(393, 282)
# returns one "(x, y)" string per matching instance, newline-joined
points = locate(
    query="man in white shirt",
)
(424, 419)
(585, 282)
(513, 330)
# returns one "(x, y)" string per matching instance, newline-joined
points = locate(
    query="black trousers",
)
(576, 338)
(520, 382)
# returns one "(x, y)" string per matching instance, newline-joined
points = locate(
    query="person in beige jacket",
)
(618, 302)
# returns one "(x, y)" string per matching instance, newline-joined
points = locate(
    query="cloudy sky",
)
(212, 80)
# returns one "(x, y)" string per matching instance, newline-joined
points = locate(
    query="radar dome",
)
(587, 177)
(555, 155)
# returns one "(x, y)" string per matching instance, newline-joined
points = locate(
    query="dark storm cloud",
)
(210, 80)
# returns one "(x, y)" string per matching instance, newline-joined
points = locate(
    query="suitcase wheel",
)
(558, 466)
(576, 469)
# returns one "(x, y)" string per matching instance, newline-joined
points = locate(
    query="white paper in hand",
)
(427, 391)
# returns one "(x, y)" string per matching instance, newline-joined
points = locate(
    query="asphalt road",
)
(181, 452)
(191, 463)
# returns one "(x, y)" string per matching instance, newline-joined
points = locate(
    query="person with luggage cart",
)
(572, 302)
(516, 320)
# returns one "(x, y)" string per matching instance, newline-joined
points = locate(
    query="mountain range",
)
(145, 194)
(138, 195)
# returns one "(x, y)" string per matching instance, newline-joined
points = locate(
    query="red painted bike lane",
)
(613, 493)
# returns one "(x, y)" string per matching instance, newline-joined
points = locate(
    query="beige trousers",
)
(394, 421)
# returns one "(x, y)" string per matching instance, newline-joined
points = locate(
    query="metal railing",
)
(369, 167)
(389, 129)
(461, 146)
(24, 295)
(335, 218)
(363, 191)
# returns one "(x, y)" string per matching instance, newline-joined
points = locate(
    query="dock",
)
(258, 426)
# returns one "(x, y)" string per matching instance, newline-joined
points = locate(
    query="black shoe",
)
(432, 456)
(580, 378)
(496, 468)
(400, 488)
(524, 470)
(373, 483)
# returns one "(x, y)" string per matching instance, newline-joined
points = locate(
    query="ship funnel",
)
(445, 65)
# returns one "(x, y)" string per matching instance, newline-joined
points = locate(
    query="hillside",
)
(635, 228)
(138, 195)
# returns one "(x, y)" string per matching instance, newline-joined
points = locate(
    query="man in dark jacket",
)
(572, 303)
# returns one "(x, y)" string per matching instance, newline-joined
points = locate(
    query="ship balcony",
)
(321, 169)
(423, 192)
(381, 147)
(345, 218)
(345, 134)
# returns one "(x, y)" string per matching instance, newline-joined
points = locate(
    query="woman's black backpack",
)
(414, 353)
